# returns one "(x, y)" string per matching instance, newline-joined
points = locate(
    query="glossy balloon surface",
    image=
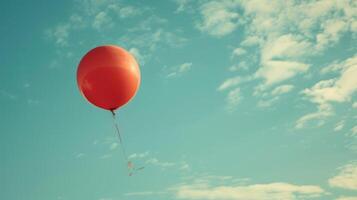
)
(108, 77)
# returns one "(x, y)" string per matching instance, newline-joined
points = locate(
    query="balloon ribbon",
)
(130, 165)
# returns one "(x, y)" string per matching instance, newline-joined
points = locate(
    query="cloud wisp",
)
(207, 188)
(335, 90)
(269, 191)
(346, 177)
(178, 70)
(286, 37)
(148, 160)
(104, 19)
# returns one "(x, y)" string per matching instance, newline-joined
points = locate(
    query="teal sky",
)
(239, 100)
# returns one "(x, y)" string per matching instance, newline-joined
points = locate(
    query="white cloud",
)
(269, 191)
(339, 126)
(185, 166)
(333, 67)
(95, 14)
(279, 59)
(268, 99)
(147, 37)
(274, 18)
(352, 145)
(332, 30)
(234, 95)
(156, 162)
(102, 20)
(170, 38)
(338, 89)
(289, 33)
(251, 41)
(285, 47)
(346, 198)
(243, 65)
(219, 18)
(267, 102)
(354, 105)
(182, 5)
(179, 70)
(141, 33)
(282, 89)
(353, 26)
(324, 110)
(338, 66)
(238, 52)
(124, 11)
(184, 67)
(233, 98)
(138, 55)
(147, 159)
(144, 193)
(346, 178)
(324, 91)
(354, 131)
(60, 34)
(230, 82)
(277, 71)
(138, 155)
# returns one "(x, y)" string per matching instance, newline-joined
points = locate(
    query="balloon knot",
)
(112, 111)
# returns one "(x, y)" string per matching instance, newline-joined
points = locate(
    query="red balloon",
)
(108, 77)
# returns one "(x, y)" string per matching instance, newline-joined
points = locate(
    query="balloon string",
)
(121, 142)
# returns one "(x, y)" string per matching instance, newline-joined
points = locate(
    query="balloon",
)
(108, 77)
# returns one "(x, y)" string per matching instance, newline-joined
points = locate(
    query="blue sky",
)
(239, 100)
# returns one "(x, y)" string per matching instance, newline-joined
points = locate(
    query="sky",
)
(239, 100)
